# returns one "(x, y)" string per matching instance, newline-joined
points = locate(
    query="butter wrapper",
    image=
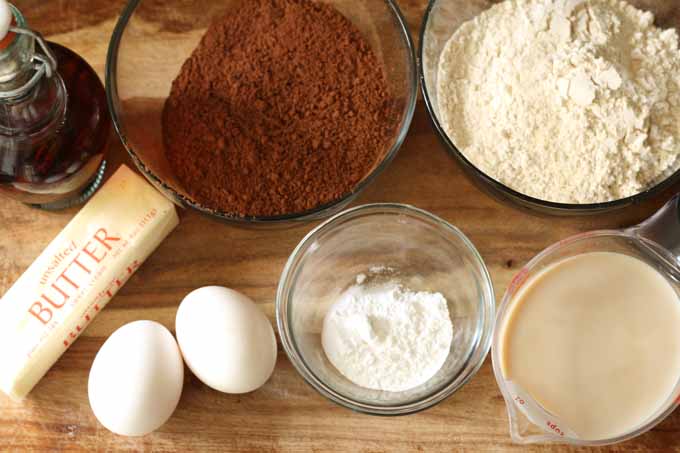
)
(50, 305)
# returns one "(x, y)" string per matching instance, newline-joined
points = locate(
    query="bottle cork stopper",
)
(6, 21)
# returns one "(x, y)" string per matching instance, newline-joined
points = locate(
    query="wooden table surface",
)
(286, 414)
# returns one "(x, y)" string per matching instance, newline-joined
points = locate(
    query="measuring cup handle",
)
(662, 230)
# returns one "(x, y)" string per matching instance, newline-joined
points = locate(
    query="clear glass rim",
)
(311, 214)
(503, 311)
(478, 353)
(551, 206)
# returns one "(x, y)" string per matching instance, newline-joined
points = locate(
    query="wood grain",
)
(286, 414)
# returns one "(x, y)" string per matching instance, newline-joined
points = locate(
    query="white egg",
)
(226, 341)
(136, 379)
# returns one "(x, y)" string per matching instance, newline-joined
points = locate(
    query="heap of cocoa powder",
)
(282, 107)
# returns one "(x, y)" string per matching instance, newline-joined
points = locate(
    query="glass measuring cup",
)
(656, 241)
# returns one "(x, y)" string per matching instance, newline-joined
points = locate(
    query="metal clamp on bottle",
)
(44, 64)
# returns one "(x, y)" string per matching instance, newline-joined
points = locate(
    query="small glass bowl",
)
(391, 241)
(442, 19)
(152, 40)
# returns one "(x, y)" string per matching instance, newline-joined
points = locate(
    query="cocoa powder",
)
(282, 107)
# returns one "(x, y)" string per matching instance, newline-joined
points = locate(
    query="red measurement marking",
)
(78, 328)
(520, 400)
(87, 318)
(65, 343)
(519, 279)
(96, 307)
(555, 428)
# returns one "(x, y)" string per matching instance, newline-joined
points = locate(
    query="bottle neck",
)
(41, 110)
(32, 94)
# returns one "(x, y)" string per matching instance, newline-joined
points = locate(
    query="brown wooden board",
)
(286, 414)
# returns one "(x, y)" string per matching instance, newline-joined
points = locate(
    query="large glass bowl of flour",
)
(442, 19)
(385, 242)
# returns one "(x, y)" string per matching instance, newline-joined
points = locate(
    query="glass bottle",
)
(54, 123)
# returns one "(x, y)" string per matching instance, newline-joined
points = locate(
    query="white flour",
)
(386, 337)
(574, 101)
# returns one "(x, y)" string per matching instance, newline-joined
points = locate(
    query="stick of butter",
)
(76, 275)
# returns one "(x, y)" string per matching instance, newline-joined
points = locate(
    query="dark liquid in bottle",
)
(64, 160)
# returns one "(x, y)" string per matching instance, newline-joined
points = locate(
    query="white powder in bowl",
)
(387, 337)
(573, 101)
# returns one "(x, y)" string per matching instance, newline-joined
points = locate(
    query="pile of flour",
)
(573, 101)
(387, 337)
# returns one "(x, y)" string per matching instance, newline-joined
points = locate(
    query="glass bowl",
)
(442, 19)
(152, 40)
(397, 242)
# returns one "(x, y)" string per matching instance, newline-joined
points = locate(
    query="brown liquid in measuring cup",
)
(595, 340)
